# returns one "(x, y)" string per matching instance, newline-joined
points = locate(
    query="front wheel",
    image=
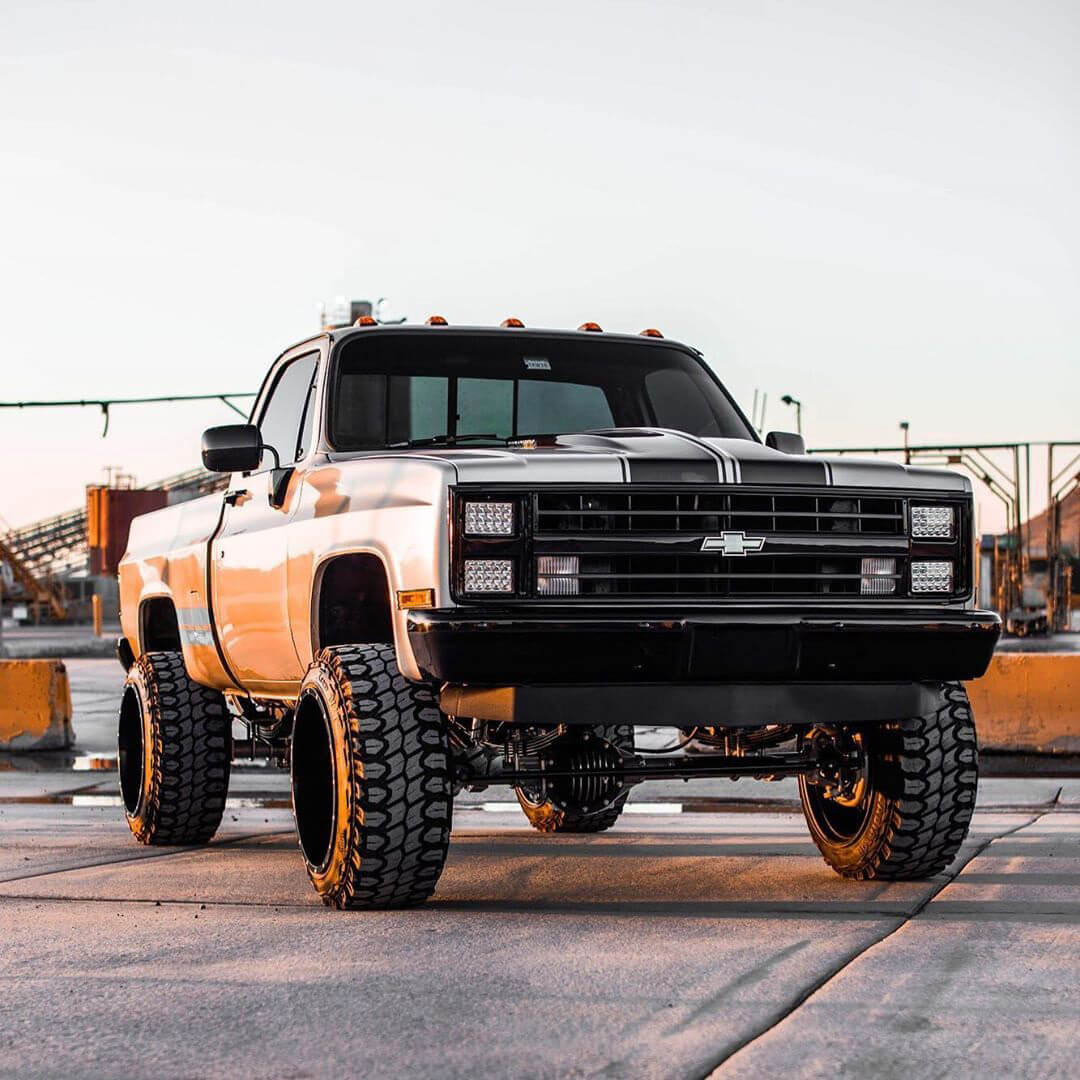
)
(899, 805)
(371, 782)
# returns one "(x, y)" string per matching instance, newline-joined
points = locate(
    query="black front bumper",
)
(592, 646)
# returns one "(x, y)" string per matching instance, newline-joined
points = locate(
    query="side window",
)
(285, 423)
(307, 431)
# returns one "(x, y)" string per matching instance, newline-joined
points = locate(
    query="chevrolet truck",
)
(453, 557)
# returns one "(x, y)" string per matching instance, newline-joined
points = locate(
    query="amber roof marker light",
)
(591, 327)
(650, 331)
(365, 320)
(435, 320)
(512, 324)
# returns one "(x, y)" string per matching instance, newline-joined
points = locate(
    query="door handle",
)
(233, 497)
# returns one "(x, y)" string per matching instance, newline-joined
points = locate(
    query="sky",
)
(870, 206)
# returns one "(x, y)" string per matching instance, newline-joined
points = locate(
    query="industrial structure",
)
(1030, 573)
(56, 565)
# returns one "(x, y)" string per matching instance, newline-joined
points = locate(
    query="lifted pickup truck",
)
(455, 557)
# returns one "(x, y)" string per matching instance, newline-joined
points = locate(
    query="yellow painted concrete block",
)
(35, 705)
(1029, 701)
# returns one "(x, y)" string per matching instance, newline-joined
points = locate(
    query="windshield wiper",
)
(447, 440)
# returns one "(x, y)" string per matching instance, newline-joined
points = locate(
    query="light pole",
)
(904, 425)
(787, 399)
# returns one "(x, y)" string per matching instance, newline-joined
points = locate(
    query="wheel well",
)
(354, 602)
(159, 629)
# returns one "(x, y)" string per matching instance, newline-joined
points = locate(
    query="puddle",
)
(92, 763)
(58, 761)
(690, 806)
(89, 796)
(97, 798)
(55, 761)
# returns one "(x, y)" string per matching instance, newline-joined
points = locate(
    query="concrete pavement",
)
(672, 946)
(699, 937)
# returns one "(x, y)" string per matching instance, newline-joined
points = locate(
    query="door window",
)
(287, 422)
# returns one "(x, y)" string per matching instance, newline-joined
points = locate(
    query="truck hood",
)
(661, 456)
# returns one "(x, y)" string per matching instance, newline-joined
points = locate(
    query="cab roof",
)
(590, 330)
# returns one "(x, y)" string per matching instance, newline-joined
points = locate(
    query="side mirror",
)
(787, 442)
(232, 448)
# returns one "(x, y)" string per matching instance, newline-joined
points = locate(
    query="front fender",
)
(393, 509)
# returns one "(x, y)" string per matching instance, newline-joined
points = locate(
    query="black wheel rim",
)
(841, 817)
(313, 782)
(130, 749)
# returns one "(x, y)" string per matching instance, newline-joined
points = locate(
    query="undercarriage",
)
(376, 761)
(575, 765)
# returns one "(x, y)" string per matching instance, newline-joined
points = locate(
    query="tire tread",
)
(191, 755)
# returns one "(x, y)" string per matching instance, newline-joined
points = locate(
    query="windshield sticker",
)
(536, 363)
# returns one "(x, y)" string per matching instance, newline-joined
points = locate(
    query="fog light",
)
(489, 519)
(878, 577)
(931, 577)
(556, 575)
(932, 522)
(489, 575)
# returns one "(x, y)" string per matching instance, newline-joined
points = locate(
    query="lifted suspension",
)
(812, 761)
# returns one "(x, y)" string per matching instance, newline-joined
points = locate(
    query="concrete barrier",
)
(1029, 702)
(35, 705)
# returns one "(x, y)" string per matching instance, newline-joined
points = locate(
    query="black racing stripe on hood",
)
(671, 471)
(653, 456)
(791, 470)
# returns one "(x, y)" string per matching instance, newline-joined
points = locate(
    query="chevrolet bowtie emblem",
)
(733, 543)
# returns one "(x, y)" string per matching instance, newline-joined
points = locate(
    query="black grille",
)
(652, 575)
(702, 512)
(660, 543)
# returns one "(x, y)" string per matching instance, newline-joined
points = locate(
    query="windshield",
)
(396, 389)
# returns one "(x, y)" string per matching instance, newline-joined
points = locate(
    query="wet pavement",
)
(52, 642)
(700, 935)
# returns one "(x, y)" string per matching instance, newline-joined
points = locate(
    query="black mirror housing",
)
(787, 442)
(232, 448)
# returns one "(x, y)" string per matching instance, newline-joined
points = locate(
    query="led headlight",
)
(932, 522)
(489, 575)
(878, 577)
(556, 575)
(931, 577)
(489, 519)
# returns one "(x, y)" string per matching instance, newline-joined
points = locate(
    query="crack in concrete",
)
(818, 984)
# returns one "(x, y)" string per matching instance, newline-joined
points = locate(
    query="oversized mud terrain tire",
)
(910, 812)
(567, 815)
(371, 780)
(175, 750)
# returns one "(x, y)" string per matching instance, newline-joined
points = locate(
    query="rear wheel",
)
(585, 805)
(899, 801)
(371, 782)
(175, 751)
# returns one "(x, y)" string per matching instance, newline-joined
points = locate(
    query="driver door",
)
(250, 554)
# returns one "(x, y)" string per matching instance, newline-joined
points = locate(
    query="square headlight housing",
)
(933, 522)
(489, 518)
(932, 576)
(489, 576)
